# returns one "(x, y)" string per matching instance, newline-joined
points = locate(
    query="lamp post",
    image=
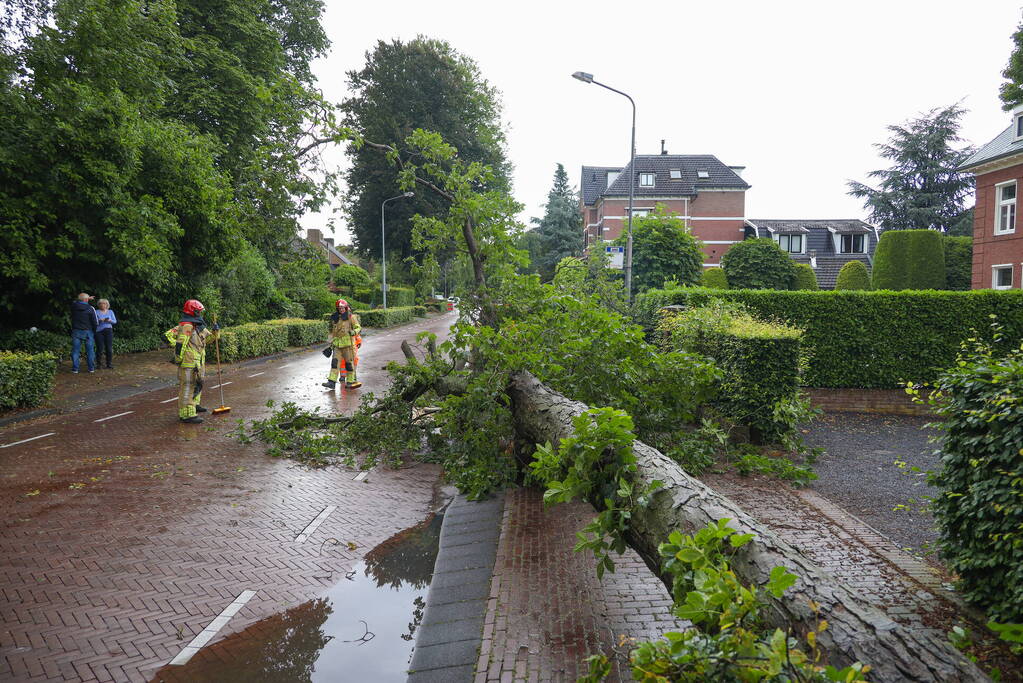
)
(383, 248)
(588, 78)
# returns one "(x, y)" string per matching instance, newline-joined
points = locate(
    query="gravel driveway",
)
(859, 474)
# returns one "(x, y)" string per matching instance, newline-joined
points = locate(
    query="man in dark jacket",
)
(83, 328)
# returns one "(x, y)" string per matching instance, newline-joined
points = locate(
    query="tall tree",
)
(924, 187)
(663, 249)
(1011, 92)
(421, 84)
(561, 228)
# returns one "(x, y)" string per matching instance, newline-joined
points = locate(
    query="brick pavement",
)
(124, 538)
(548, 611)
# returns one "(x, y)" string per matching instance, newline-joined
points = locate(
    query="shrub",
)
(979, 511)
(250, 340)
(909, 259)
(714, 278)
(302, 332)
(663, 249)
(419, 311)
(853, 275)
(381, 317)
(758, 264)
(760, 362)
(138, 343)
(866, 339)
(396, 296)
(806, 279)
(38, 341)
(958, 262)
(350, 276)
(26, 379)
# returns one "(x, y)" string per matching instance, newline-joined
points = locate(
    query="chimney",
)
(663, 150)
(314, 235)
(329, 241)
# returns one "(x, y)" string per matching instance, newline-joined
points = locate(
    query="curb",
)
(448, 641)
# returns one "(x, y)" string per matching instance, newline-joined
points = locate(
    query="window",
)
(702, 175)
(639, 213)
(1019, 125)
(1005, 219)
(646, 179)
(791, 243)
(853, 244)
(676, 174)
(1001, 277)
(611, 177)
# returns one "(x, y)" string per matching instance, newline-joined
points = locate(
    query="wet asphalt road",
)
(859, 473)
(125, 533)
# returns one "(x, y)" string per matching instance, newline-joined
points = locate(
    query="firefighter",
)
(189, 339)
(344, 333)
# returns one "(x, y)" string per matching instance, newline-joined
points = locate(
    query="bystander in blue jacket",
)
(83, 329)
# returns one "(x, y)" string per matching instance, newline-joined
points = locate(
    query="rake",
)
(220, 376)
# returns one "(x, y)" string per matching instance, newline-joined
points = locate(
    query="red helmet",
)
(193, 306)
(341, 304)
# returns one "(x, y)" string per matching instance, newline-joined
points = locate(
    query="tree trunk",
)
(856, 631)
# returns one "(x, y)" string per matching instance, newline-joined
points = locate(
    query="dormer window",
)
(646, 179)
(853, 244)
(1018, 121)
(702, 175)
(676, 174)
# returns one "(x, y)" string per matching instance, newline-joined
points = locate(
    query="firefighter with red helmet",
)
(189, 340)
(344, 340)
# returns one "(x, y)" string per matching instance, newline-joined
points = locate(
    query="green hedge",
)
(714, 278)
(806, 279)
(419, 311)
(248, 341)
(137, 344)
(760, 362)
(866, 339)
(396, 296)
(958, 262)
(386, 318)
(853, 276)
(26, 379)
(909, 259)
(979, 512)
(303, 332)
(38, 341)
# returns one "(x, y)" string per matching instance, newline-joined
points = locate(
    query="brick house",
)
(707, 194)
(334, 256)
(997, 244)
(825, 245)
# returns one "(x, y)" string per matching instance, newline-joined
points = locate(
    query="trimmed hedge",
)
(866, 339)
(26, 379)
(958, 262)
(759, 361)
(806, 279)
(979, 512)
(303, 332)
(853, 276)
(909, 259)
(248, 341)
(36, 342)
(397, 297)
(714, 278)
(387, 317)
(419, 311)
(138, 344)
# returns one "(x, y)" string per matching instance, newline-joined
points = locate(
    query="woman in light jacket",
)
(105, 332)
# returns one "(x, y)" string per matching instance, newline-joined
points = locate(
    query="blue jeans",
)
(77, 337)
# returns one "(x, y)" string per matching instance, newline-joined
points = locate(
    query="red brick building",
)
(997, 243)
(707, 194)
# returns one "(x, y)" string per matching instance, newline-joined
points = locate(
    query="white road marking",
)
(41, 436)
(313, 525)
(170, 399)
(211, 630)
(224, 384)
(286, 365)
(256, 375)
(361, 475)
(111, 417)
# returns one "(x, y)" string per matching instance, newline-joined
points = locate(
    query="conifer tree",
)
(561, 228)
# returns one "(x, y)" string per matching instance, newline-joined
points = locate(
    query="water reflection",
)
(362, 630)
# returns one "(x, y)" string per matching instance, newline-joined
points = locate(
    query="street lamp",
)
(588, 78)
(383, 248)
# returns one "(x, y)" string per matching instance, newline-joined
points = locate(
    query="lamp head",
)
(583, 76)
(409, 194)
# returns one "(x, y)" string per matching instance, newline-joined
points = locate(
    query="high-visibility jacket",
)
(343, 332)
(193, 343)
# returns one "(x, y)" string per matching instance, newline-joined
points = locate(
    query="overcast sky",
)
(798, 92)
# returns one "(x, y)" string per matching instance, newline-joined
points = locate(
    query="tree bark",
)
(856, 630)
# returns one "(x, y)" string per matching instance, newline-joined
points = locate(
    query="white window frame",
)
(1000, 204)
(994, 275)
(1017, 123)
(640, 213)
(790, 235)
(676, 174)
(651, 176)
(703, 175)
(852, 236)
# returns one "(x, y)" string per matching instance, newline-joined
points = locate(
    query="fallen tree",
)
(856, 631)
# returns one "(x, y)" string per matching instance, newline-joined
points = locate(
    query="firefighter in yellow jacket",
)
(189, 340)
(344, 331)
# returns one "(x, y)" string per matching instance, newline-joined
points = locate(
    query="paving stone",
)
(449, 674)
(452, 631)
(446, 655)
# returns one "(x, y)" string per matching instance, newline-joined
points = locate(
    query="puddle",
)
(363, 629)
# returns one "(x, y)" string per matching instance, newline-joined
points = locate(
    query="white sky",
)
(798, 92)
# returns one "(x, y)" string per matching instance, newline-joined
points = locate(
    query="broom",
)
(220, 377)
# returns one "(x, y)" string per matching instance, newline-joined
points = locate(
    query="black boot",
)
(330, 384)
(200, 409)
(195, 419)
